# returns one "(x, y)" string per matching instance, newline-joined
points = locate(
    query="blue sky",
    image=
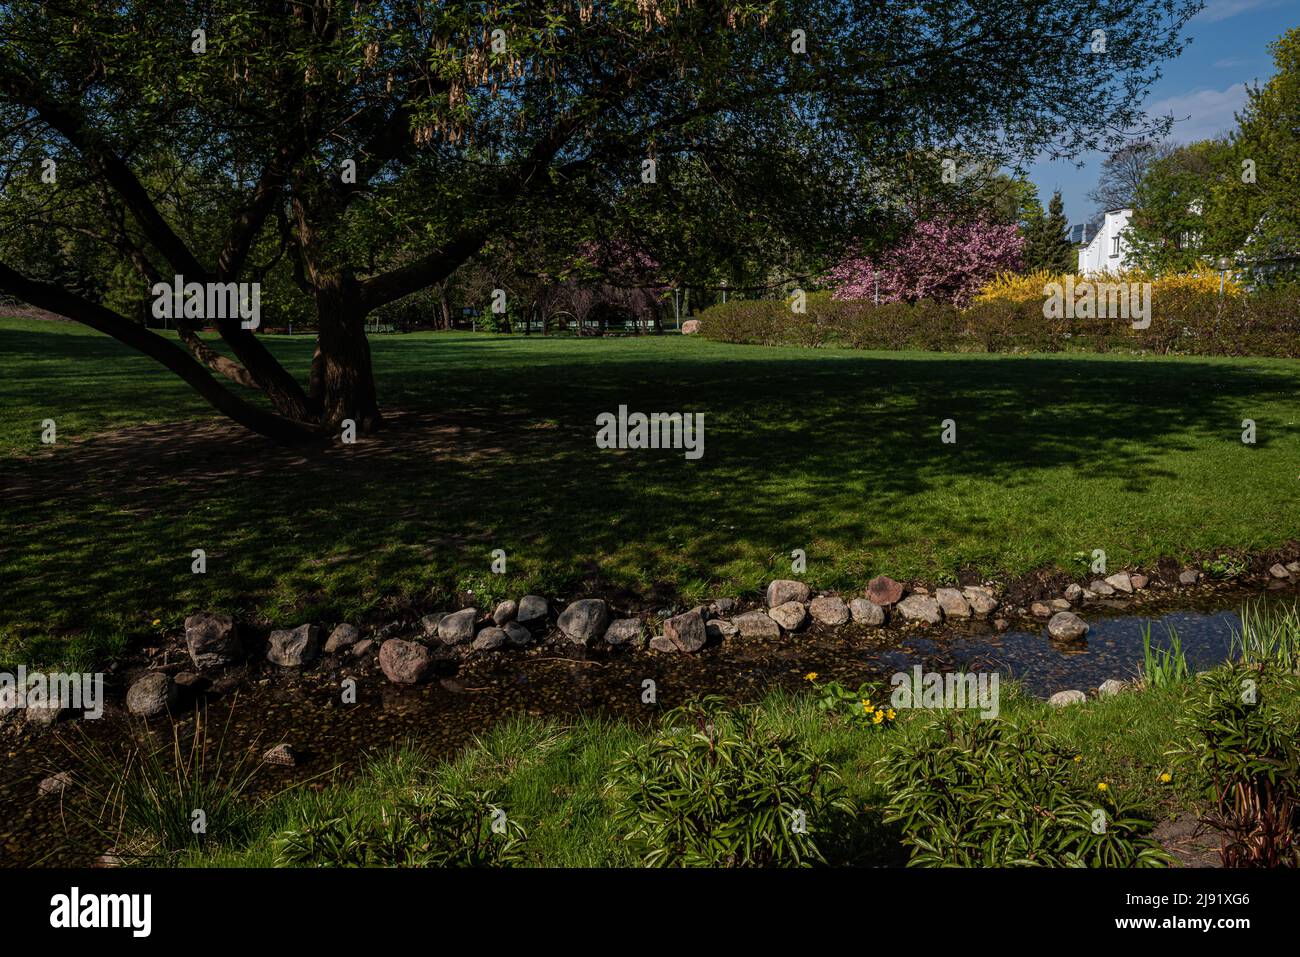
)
(1203, 88)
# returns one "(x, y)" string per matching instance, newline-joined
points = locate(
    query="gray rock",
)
(719, 628)
(343, 636)
(884, 591)
(1001, 624)
(505, 612)
(404, 662)
(829, 610)
(293, 648)
(921, 608)
(1189, 576)
(790, 615)
(533, 611)
(154, 694)
(866, 612)
(661, 643)
(55, 784)
(981, 602)
(1293, 567)
(624, 630)
(458, 627)
(429, 623)
(517, 634)
(362, 648)
(489, 639)
(687, 631)
(584, 619)
(1067, 626)
(1139, 581)
(1074, 593)
(783, 590)
(757, 624)
(1279, 571)
(724, 606)
(1059, 604)
(1121, 581)
(1063, 698)
(1111, 687)
(212, 640)
(1100, 587)
(1040, 609)
(953, 603)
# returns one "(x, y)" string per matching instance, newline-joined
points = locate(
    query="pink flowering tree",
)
(940, 259)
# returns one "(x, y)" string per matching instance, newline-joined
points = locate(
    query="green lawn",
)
(492, 445)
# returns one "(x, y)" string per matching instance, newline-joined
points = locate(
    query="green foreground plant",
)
(1247, 751)
(714, 788)
(981, 793)
(1163, 667)
(150, 802)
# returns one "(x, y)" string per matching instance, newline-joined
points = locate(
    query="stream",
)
(560, 681)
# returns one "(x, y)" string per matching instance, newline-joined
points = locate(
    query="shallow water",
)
(563, 681)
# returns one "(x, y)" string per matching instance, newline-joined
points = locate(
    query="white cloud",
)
(1216, 10)
(1201, 114)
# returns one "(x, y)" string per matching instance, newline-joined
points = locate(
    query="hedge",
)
(1184, 322)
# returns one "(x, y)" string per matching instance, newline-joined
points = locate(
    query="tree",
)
(1047, 240)
(1260, 212)
(1176, 205)
(1122, 173)
(940, 259)
(378, 146)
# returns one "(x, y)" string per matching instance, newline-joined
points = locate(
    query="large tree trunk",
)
(347, 380)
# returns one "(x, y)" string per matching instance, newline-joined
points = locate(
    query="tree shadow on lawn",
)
(799, 449)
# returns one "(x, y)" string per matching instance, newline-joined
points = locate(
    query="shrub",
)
(435, 826)
(713, 789)
(1185, 320)
(1028, 287)
(1248, 755)
(980, 793)
(941, 259)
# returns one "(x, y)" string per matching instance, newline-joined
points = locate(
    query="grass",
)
(491, 445)
(552, 778)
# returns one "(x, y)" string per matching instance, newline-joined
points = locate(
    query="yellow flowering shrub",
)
(1012, 287)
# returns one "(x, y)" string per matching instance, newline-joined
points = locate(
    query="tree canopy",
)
(361, 152)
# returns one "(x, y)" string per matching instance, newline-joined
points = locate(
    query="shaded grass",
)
(491, 445)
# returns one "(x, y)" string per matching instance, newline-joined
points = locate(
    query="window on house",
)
(1114, 247)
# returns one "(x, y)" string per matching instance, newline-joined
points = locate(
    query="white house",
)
(1107, 251)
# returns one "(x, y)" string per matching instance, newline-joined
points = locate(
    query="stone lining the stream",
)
(433, 646)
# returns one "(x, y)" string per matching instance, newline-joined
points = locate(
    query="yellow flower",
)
(866, 706)
(891, 714)
(1166, 777)
(157, 622)
(878, 717)
(1078, 758)
(1103, 786)
(810, 676)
